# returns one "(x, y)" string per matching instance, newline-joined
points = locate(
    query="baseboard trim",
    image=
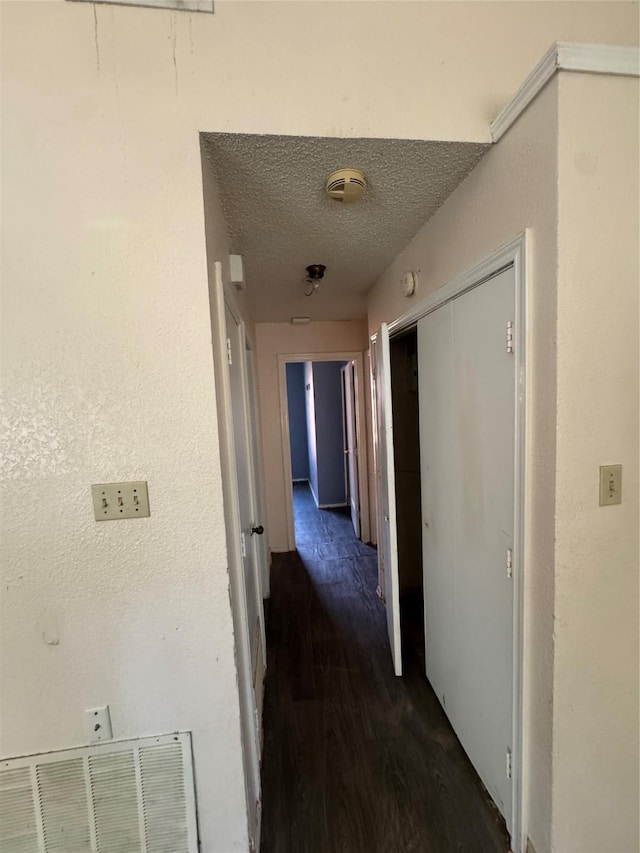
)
(332, 506)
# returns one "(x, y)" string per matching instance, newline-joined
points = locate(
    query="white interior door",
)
(387, 534)
(467, 444)
(249, 719)
(351, 444)
(435, 391)
(249, 523)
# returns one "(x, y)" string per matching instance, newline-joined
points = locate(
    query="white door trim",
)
(388, 545)
(283, 360)
(513, 254)
(253, 476)
(259, 469)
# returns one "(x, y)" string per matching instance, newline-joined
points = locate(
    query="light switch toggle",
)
(610, 485)
(98, 722)
(120, 500)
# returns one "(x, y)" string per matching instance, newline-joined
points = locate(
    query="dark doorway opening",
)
(406, 431)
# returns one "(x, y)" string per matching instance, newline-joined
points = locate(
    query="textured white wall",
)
(273, 339)
(597, 756)
(568, 170)
(512, 188)
(106, 339)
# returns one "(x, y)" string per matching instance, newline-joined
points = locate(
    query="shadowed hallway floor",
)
(355, 760)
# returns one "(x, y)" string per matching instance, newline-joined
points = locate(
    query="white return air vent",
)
(134, 796)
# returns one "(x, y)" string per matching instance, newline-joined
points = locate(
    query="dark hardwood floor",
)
(355, 760)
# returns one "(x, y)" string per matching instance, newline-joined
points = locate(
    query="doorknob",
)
(259, 530)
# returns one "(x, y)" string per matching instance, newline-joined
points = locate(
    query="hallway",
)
(355, 760)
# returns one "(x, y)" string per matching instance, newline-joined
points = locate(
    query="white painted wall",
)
(107, 372)
(597, 756)
(272, 340)
(106, 340)
(564, 159)
(512, 188)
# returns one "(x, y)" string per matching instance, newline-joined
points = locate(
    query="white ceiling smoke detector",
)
(346, 185)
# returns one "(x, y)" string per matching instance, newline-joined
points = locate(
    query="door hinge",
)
(229, 356)
(243, 544)
(509, 562)
(509, 766)
(509, 336)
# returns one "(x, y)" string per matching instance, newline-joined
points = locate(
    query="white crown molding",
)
(179, 5)
(567, 56)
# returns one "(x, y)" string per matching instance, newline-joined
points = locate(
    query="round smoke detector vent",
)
(346, 185)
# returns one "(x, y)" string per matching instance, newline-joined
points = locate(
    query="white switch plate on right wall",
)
(610, 485)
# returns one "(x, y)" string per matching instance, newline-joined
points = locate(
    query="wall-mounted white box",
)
(236, 272)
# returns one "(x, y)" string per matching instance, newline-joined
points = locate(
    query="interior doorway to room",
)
(318, 442)
(324, 452)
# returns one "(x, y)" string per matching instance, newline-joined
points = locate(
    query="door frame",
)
(513, 254)
(254, 414)
(250, 735)
(351, 438)
(254, 480)
(357, 357)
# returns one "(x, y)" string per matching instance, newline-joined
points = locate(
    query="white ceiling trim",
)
(180, 5)
(567, 56)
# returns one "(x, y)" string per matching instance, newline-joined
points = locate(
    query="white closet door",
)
(467, 415)
(388, 546)
(435, 378)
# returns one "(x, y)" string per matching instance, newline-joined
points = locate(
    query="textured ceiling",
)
(280, 219)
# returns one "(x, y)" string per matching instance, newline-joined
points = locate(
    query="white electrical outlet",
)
(120, 500)
(98, 724)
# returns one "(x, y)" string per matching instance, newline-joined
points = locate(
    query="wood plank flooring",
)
(355, 760)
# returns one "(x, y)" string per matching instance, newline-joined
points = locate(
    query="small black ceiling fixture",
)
(315, 274)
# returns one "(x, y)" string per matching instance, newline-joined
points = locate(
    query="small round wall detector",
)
(409, 283)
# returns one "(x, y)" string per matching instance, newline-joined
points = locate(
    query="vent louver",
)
(116, 797)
